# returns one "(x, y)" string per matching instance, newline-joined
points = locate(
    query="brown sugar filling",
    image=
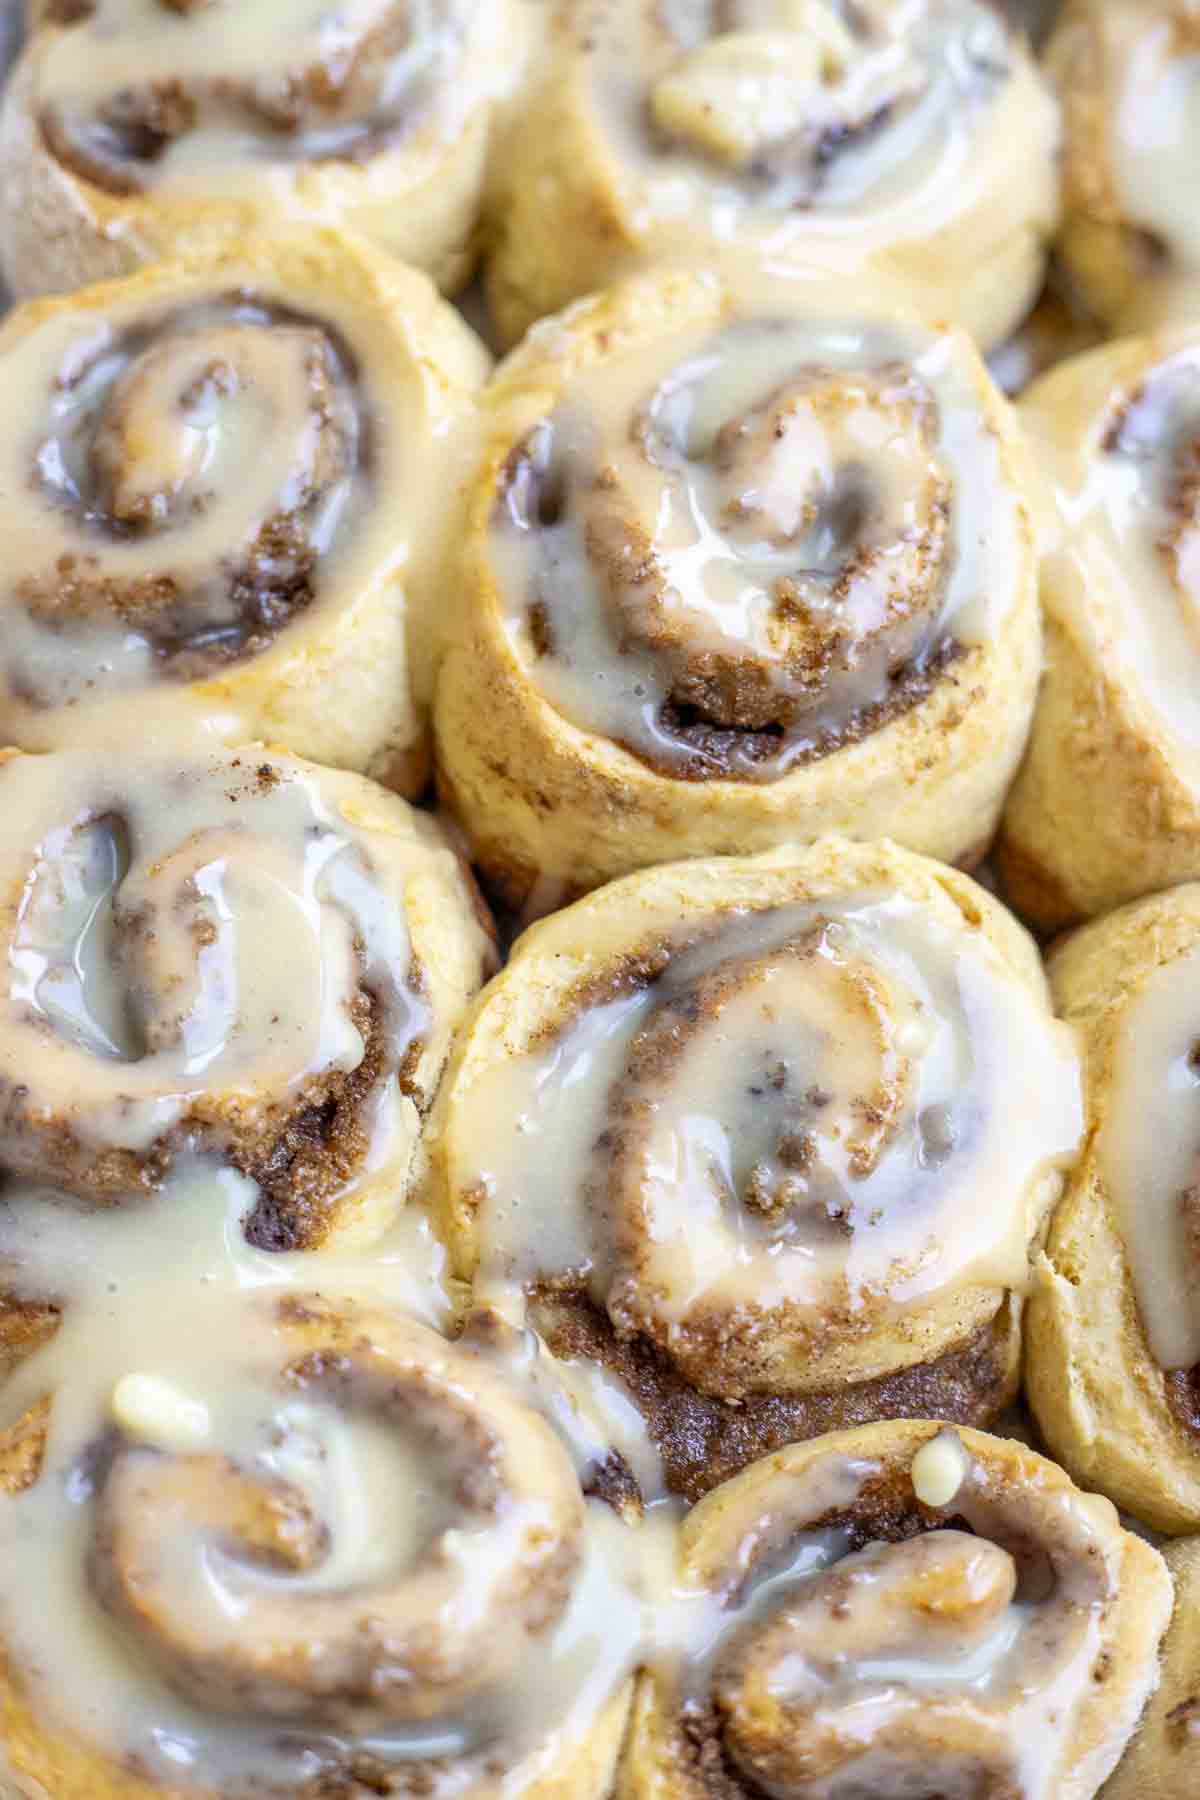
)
(704, 1440)
(301, 1158)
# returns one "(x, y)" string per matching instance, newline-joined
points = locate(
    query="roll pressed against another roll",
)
(917, 140)
(996, 1637)
(1107, 803)
(259, 1540)
(138, 130)
(745, 563)
(1164, 1758)
(1128, 74)
(1113, 1362)
(767, 1140)
(245, 955)
(225, 489)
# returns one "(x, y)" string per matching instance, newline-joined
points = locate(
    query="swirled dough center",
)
(146, 94)
(811, 108)
(735, 552)
(191, 481)
(373, 1557)
(793, 1116)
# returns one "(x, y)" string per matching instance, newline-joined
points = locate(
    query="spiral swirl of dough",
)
(1116, 432)
(223, 502)
(740, 562)
(137, 129)
(998, 1638)
(294, 1542)
(1113, 1366)
(1128, 73)
(246, 955)
(750, 1126)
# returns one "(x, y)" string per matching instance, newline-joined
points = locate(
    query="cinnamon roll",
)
(1164, 1757)
(1114, 1352)
(1107, 803)
(767, 1139)
(916, 140)
(1128, 73)
(138, 130)
(246, 955)
(904, 1610)
(255, 1540)
(224, 491)
(745, 563)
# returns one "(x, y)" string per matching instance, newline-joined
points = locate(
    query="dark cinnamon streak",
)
(703, 1441)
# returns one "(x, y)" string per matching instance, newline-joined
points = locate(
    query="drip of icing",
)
(1122, 571)
(1154, 141)
(203, 1319)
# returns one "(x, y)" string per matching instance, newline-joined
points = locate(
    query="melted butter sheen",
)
(1149, 1156)
(256, 85)
(810, 1113)
(728, 552)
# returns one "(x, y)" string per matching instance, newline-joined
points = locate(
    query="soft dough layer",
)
(1128, 74)
(247, 956)
(264, 1532)
(745, 563)
(1164, 1757)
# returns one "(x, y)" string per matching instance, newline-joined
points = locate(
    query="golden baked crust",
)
(1163, 1759)
(683, 950)
(1111, 431)
(861, 1482)
(553, 806)
(285, 588)
(417, 198)
(1125, 238)
(635, 146)
(1103, 1402)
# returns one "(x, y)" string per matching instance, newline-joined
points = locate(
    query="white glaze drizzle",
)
(881, 1009)
(794, 486)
